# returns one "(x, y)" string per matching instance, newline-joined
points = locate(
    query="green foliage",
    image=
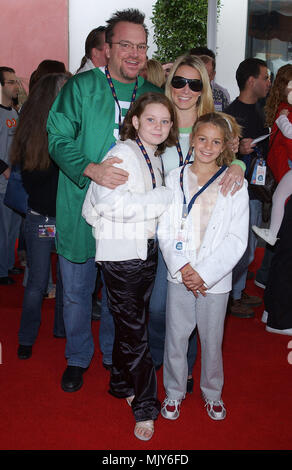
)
(179, 25)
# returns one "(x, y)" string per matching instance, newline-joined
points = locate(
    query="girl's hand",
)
(284, 111)
(232, 180)
(193, 281)
(201, 290)
(6, 173)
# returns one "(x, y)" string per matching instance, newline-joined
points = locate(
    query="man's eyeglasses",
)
(180, 82)
(128, 46)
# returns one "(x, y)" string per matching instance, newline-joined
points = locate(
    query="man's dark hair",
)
(250, 67)
(203, 50)
(93, 40)
(131, 15)
(2, 70)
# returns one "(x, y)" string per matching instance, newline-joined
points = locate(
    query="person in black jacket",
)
(40, 179)
(254, 83)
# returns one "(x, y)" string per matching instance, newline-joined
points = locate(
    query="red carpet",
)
(37, 414)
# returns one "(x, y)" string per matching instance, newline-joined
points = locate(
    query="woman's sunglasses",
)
(180, 82)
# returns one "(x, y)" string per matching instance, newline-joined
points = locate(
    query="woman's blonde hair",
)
(278, 93)
(155, 73)
(205, 103)
(230, 130)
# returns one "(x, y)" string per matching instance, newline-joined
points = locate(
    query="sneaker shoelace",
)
(171, 405)
(216, 405)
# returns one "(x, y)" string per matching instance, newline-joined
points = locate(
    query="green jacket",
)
(82, 126)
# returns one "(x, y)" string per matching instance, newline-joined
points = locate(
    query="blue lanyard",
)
(142, 148)
(180, 154)
(111, 85)
(187, 208)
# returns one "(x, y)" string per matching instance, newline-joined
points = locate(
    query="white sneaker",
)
(265, 316)
(259, 284)
(170, 408)
(265, 234)
(215, 409)
(288, 331)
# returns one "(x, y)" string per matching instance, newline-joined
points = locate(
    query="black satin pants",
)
(129, 285)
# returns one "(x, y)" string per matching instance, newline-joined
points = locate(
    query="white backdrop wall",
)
(231, 39)
(85, 15)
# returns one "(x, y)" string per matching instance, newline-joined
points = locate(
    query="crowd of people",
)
(138, 175)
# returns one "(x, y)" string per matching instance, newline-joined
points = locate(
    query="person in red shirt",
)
(280, 148)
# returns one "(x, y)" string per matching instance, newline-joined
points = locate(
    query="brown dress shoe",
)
(251, 299)
(240, 310)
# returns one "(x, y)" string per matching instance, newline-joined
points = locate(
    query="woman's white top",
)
(170, 157)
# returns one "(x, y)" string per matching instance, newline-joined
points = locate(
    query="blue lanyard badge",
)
(181, 237)
(180, 154)
(259, 170)
(145, 154)
(187, 208)
(111, 85)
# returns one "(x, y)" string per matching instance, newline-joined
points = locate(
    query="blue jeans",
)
(78, 287)
(39, 261)
(9, 231)
(239, 273)
(106, 327)
(262, 274)
(157, 308)
(156, 322)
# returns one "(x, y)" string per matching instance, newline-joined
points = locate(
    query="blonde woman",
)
(188, 88)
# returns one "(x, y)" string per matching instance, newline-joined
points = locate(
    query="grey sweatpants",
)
(183, 312)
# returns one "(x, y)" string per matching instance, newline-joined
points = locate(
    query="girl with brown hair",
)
(124, 221)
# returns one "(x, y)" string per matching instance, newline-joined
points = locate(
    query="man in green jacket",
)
(83, 125)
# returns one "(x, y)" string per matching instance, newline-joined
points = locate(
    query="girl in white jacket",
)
(124, 221)
(202, 237)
